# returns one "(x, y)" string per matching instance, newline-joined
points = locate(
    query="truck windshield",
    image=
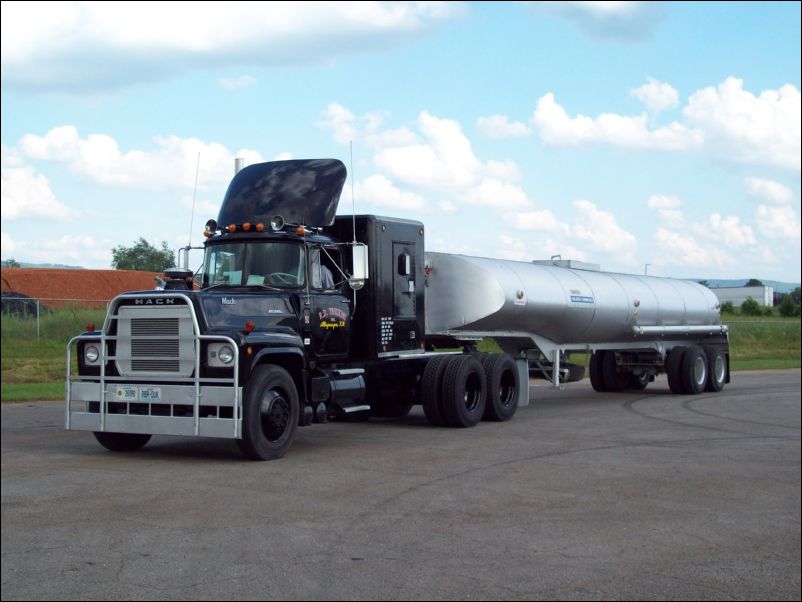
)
(274, 264)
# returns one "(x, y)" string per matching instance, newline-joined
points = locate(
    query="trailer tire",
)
(596, 377)
(614, 381)
(716, 369)
(431, 389)
(674, 370)
(502, 387)
(121, 442)
(464, 391)
(270, 414)
(694, 370)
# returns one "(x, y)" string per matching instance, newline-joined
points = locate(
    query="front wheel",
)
(121, 442)
(270, 414)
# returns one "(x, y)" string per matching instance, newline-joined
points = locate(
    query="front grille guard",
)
(195, 380)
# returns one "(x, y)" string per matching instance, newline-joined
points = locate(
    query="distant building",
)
(764, 295)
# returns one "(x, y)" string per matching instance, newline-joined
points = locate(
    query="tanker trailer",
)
(634, 327)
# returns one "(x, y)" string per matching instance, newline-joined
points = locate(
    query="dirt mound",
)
(88, 288)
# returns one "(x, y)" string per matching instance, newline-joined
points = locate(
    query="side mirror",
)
(359, 255)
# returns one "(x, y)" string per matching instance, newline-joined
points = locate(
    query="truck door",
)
(404, 281)
(330, 310)
(405, 286)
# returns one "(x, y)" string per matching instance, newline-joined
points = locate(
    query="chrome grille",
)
(146, 348)
(154, 327)
(155, 365)
(156, 340)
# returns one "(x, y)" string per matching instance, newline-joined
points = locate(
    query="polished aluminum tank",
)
(474, 296)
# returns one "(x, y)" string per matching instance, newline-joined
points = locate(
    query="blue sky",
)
(621, 133)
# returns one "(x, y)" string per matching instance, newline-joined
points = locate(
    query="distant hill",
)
(779, 287)
(59, 266)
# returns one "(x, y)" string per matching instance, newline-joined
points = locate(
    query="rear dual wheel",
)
(461, 390)
(692, 370)
(464, 391)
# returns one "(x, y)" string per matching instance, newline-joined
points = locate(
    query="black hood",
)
(303, 191)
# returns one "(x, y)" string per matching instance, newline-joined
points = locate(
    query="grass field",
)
(33, 370)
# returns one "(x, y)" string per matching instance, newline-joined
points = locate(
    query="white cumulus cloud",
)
(557, 128)
(607, 19)
(769, 191)
(779, 223)
(27, 194)
(657, 96)
(171, 164)
(683, 249)
(763, 129)
(379, 191)
(500, 126)
(95, 46)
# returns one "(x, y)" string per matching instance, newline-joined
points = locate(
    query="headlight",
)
(91, 354)
(226, 354)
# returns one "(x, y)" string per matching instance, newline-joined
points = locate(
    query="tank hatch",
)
(302, 191)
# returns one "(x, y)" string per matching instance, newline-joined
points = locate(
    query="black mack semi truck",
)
(300, 316)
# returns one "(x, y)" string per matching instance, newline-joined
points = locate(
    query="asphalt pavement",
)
(636, 496)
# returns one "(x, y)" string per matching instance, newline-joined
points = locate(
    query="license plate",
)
(129, 393)
(150, 393)
(126, 393)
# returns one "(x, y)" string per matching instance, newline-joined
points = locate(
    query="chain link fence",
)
(30, 318)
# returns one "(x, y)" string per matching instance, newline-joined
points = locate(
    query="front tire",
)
(121, 442)
(270, 414)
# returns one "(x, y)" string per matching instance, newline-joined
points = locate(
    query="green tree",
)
(750, 307)
(142, 256)
(788, 308)
(796, 295)
(754, 282)
(728, 307)
(10, 263)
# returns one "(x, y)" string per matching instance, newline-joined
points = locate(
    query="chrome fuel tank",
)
(475, 296)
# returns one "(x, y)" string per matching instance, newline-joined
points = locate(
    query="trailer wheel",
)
(464, 391)
(502, 387)
(121, 442)
(431, 389)
(694, 370)
(596, 377)
(717, 369)
(674, 370)
(614, 381)
(270, 414)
